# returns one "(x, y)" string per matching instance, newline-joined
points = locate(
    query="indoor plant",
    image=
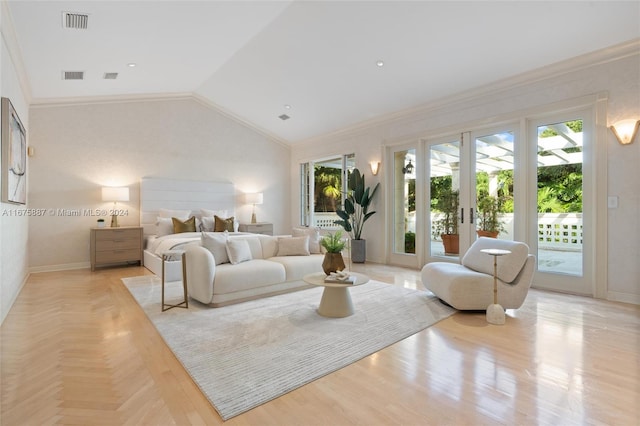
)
(489, 224)
(334, 244)
(447, 226)
(356, 213)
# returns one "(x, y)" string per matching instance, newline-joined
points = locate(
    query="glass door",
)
(493, 200)
(404, 203)
(443, 195)
(561, 191)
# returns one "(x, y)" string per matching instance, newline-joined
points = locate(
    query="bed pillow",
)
(207, 224)
(212, 213)
(293, 246)
(217, 245)
(314, 237)
(164, 226)
(238, 251)
(180, 226)
(180, 214)
(221, 225)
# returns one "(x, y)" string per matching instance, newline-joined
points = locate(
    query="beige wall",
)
(13, 228)
(80, 148)
(615, 71)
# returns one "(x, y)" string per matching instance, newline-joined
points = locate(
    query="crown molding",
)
(9, 36)
(94, 100)
(578, 63)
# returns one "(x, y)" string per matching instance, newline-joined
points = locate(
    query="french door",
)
(471, 186)
(531, 180)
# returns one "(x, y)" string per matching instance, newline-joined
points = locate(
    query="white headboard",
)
(175, 194)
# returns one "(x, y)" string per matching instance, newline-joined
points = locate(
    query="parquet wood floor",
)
(76, 349)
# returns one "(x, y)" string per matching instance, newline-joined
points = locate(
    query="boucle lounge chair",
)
(469, 286)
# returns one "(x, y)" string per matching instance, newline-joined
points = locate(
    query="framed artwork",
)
(14, 156)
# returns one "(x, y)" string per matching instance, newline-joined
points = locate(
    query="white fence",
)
(556, 231)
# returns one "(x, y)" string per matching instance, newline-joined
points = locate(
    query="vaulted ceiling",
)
(316, 62)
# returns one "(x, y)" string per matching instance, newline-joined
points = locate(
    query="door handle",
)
(471, 215)
(462, 215)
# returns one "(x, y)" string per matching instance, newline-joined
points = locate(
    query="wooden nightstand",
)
(116, 245)
(257, 228)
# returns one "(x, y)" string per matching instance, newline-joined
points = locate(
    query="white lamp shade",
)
(253, 198)
(110, 193)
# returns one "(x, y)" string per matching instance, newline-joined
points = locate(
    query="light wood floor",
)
(76, 349)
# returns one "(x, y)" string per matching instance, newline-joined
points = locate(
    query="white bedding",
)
(158, 245)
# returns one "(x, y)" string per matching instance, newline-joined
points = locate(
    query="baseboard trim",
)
(15, 297)
(61, 267)
(616, 296)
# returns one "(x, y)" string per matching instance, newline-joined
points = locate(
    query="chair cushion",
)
(508, 265)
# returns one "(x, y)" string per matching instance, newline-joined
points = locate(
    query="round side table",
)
(495, 312)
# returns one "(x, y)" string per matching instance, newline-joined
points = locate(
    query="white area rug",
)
(244, 355)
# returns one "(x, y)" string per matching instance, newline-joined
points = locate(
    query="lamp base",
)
(114, 221)
(253, 218)
(495, 314)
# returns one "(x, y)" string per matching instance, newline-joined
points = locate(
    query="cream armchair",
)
(469, 286)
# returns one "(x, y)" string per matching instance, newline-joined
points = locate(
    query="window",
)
(323, 185)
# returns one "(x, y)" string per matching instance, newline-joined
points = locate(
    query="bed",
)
(160, 195)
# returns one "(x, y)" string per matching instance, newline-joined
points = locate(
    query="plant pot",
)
(358, 251)
(490, 234)
(333, 262)
(451, 243)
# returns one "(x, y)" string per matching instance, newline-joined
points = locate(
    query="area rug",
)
(244, 355)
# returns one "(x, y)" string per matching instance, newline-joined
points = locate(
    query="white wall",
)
(13, 228)
(80, 148)
(616, 71)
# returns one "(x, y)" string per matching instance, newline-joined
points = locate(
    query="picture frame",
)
(14, 155)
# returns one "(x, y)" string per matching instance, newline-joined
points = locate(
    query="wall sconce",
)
(253, 198)
(625, 130)
(375, 167)
(115, 194)
(408, 169)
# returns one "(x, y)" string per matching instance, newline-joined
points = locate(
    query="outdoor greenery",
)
(333, 242)
(327, 189)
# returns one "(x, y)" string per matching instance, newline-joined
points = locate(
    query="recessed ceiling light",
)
(379, 63)
(131, 64)
(287, 106)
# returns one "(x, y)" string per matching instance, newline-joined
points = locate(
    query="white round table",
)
(336, 299)
(495, 312)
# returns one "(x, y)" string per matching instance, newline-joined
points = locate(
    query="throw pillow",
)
(222, 225)
(180, 214)
(293, 246)
(314, 237)
(164, 226)
(180, 226)
(238, 251)
(217, 245)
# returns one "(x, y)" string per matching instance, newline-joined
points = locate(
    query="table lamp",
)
(115, 194)
(253, 198)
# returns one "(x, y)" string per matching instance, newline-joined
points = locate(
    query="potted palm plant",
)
(488, 220)
(356, 213)
(334, 244)
(447, 226)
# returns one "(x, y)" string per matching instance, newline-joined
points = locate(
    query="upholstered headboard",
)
(175, 194)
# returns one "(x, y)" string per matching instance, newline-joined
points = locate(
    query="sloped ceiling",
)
(320, 58)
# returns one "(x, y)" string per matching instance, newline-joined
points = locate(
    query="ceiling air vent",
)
(284, 117)
(110, 75)
(73, 75)
(78, 21)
